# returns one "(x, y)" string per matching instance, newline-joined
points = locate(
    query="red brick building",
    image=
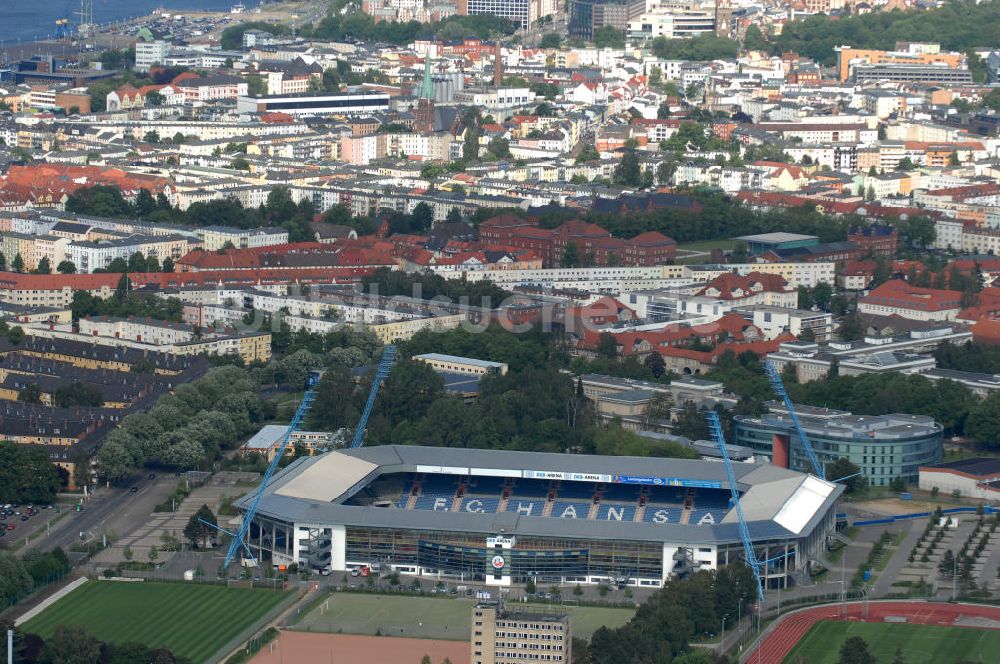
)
(875, 239)
(594, 245)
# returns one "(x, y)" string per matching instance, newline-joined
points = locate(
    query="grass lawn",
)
(191, 620)
(921, 644)
(430, 617)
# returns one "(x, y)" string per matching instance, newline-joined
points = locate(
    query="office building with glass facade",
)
(499, 517)
(882, 446)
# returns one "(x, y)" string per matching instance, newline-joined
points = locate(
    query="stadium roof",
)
(778, 503)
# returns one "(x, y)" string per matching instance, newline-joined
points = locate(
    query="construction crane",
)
(239, 541)
(63, 27)
(779, 389)
(381, 372)
(756, 565)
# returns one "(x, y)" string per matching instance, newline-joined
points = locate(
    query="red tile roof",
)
(901, 295)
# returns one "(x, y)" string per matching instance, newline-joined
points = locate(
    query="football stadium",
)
(502, 517)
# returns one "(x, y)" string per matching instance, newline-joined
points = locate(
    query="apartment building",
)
(899, 298)
(500, 636)
(211, 88)
(216, 237)
(90, 255)
(149, 53)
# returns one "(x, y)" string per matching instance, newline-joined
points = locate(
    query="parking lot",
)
(20, 522)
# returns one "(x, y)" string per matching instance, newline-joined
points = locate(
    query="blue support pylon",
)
(778, 386)
(239, 540)
(381, 372)
(756, 566)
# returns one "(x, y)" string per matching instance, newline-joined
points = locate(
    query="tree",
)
(658, 409)
(665, 171)
(71, 644)
(154, 553)
(127, 553)
(855, 651)
(168, 264)
(842, 469)
(654, 362)
(838, 305)
(805, 298)
(18, 263)
(571, 255)
(850, 328)
(154, 98)
(983, 422)
(550, 40)
(609, 36)
(43, 266)
(822, 293)
(66, 267)
(499, 147)
(30, 394)
(240, 164)
(898, 659)
(100, 201)
(470, 146)
(422, 217)
(3, 262)
(607, 346)
(691, 423)
(151, 136)
(78, 394)
(197, 531)
(628, 171)
(905, 164)
(946, 568)
(703, 47)
(753, 40)
(15, 582)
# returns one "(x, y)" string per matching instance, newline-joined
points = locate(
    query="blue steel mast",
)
(384, 366)
(755, 565)
(779, 389)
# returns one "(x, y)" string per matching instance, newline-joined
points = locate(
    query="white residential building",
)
(151, 53)
(216, 237)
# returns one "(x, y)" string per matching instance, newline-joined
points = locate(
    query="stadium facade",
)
(502, 517)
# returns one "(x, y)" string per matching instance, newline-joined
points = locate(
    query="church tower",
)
(424, 113)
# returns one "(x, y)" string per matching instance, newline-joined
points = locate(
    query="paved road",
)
(899, 559)
(109, 511)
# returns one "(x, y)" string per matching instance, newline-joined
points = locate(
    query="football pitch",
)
(431, 617)
(921, 644)
(194, 621)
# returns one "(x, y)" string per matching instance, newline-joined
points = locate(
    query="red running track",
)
(789, 630)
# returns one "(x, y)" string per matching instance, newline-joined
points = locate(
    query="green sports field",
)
(430, 617)
(921, 644)
(191, 620)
